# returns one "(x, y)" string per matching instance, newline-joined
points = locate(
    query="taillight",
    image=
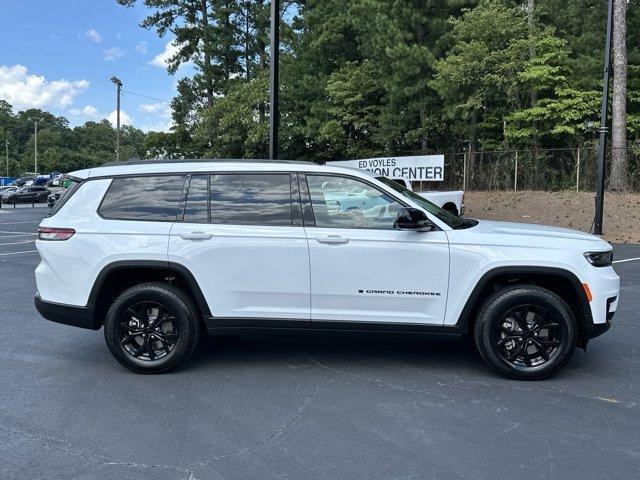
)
(46, 233)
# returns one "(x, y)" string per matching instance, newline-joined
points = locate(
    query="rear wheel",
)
(525, 332)
(152, 328)
(451, 208)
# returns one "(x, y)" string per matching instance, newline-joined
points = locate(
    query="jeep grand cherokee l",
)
(156, 252)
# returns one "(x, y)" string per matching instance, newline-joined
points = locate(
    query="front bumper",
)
(66, 314)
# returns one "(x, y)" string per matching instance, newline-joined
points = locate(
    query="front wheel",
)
(152, 328)
(525, 332)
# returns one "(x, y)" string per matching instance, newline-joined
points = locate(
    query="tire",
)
(451, 208)
(525, 332)
(137, 337)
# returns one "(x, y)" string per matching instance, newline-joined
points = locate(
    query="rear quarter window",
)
(73, 187)
(152, 198)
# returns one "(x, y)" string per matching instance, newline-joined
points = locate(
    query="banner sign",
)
(419, 167)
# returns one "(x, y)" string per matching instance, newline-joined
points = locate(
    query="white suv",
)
(158, 251)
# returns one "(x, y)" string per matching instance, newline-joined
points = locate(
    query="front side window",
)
(251, 199)
(155, 198)
(453, 221)
(341, 202)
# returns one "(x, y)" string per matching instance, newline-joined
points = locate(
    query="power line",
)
(146, 96)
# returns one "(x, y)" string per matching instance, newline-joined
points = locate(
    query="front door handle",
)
(332, 239)
(196, 236)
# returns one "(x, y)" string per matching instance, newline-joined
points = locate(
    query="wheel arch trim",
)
(586, 319)
(152, 265)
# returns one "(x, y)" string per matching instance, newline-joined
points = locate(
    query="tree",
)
(204, 34)
(477, 78)
(619, 165)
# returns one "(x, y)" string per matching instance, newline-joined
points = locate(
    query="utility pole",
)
(273, 79)
(35, 146)
(6, 153)
(118, 84)
(602, 143)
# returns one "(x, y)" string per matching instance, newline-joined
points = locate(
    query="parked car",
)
(56, 181)
(450, 200)
(41, 180)
(26, 194)
(53, 198)
(20, 182)
(164, 250)
(11, 188)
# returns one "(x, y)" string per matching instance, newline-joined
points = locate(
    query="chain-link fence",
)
(542, 169)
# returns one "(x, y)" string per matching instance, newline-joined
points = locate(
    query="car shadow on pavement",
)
(338, 349)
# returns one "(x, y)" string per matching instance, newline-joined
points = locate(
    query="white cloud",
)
(158, 115)
(162, 59)
(113, 53)
(160, 126)
(93, 35)
(89, 112)
(141, 47)
(125, 118)
(161, 108)
(24, 90)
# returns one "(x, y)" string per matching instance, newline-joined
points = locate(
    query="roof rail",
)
(137, 161)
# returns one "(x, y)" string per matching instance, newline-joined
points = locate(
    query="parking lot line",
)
(17, 253)
(626, 260)
(15, 223)
(17, 243)
(18, 233)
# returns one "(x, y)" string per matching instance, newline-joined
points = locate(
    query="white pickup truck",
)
(451, 201)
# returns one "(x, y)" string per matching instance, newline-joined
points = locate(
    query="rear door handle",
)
(332, 239)
(196, 236)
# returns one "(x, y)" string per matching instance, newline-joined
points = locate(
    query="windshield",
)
(450, 219)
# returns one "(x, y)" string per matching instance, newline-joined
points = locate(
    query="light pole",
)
(118, 84)
(6, 153)
(273, 79)
(602, 143)
(35, 146)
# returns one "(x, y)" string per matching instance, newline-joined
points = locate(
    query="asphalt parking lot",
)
(305, 408)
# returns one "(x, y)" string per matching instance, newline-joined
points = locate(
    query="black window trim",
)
(185, 192)
(303, 189)
(137, 175)
(292, 178)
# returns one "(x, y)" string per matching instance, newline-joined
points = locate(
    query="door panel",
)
(372, 273)
(259, 269)
(246, 271)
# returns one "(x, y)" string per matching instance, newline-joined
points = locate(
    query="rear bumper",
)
(66, 314)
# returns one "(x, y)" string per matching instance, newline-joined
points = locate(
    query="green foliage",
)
(61, 148)
(374, 77)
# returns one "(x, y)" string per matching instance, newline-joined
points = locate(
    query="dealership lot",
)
(324, 407)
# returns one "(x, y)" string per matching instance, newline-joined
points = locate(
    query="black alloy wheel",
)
(528, 336)
(152, 327)
(148, 331)
(525, 332)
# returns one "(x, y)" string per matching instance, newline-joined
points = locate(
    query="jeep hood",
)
(533, 231)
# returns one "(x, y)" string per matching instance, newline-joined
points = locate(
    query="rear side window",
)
(251, 199)
(155, 198)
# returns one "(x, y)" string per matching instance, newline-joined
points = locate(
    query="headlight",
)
(599, 259)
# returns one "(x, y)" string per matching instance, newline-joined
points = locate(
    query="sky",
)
(59, 56)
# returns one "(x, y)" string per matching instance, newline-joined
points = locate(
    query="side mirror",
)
(413, 219)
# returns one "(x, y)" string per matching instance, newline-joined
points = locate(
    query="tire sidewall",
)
(499, 304)
(187, 325)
